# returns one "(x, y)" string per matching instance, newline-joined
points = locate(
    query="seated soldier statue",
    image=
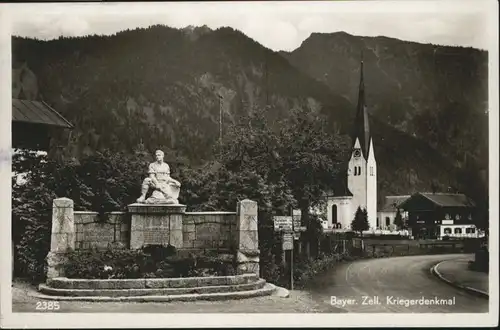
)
(165, 189)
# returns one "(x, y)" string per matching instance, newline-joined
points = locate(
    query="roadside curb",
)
(281, 292)
(434, 270)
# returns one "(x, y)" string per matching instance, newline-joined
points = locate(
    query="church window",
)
(387, 221)
(371, 170)
(334, 213)
(378, 222)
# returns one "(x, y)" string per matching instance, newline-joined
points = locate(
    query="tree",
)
(360, 222)
(398, 221)
(311, 158)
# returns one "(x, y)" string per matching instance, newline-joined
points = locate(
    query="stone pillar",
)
(62, 239)
(247, 238)
(156, 224)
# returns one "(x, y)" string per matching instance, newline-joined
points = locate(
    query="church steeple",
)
(361, 124)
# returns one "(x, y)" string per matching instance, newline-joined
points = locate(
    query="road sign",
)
(287, 241)
(285, 223)
(282, 222)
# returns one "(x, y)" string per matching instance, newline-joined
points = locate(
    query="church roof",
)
(361, 124)
(340, 188)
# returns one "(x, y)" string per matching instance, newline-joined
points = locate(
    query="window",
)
(378, 222)
(447, 230)
(338, 226)
(387, 221)
(470, 230)
(334, 214)
(371, 170)
(357, 170)
(458, 230)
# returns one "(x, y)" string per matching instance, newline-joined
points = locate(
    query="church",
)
(359, 186)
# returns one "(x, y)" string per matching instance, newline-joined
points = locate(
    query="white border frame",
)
(93, 320)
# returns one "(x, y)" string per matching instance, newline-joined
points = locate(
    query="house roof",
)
(442, 200)
(36, 112)
(392, 202)
(449, 200)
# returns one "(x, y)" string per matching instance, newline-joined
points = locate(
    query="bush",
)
(149, 262)
(306, 270)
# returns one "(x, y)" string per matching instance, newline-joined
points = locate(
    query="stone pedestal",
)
(62, 239)
(247, 237)
(156, 224)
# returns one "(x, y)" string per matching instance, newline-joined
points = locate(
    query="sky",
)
(276, 25)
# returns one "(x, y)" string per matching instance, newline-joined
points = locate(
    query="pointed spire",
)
(361, 124)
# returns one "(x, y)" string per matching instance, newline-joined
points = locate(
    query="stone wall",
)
(201, 230)
(93, 232)
(209, 230)
(234, 232)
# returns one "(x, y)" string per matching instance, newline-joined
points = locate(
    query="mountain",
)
(159, 86)
(436, 93)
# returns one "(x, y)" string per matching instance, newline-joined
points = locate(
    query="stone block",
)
(62, 216)
(189, 228)
(199, 219)
(248, 207)
(162, 209)
(156, 224)
(175, 222)
(207, 231)
(190, 236)
(136, 239)
(248, 222)
(188, 219)
(176, 238)
(248, 240)
(62, 242)
(199, 244)
(55, 264)
(62, 202)
(247, 262)
(187, 244)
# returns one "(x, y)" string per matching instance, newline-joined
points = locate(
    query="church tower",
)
(362, 170)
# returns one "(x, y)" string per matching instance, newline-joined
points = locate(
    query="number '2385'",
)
(48, 305)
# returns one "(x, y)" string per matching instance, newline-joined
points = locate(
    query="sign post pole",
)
(291, 269)
(291, 251)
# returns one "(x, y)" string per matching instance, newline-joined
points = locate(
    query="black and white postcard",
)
(222, 164)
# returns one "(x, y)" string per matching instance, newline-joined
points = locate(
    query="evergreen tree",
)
(398, 221)
(360, 222)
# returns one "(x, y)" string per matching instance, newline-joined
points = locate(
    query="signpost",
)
(290, 229)
(287, 241)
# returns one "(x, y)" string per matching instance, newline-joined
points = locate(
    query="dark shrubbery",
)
(149, 262)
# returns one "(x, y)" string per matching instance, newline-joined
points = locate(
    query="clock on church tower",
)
(357, 153)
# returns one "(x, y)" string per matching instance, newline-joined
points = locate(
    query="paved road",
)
(375, 285)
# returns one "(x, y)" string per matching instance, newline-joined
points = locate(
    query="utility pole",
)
(221, 98)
